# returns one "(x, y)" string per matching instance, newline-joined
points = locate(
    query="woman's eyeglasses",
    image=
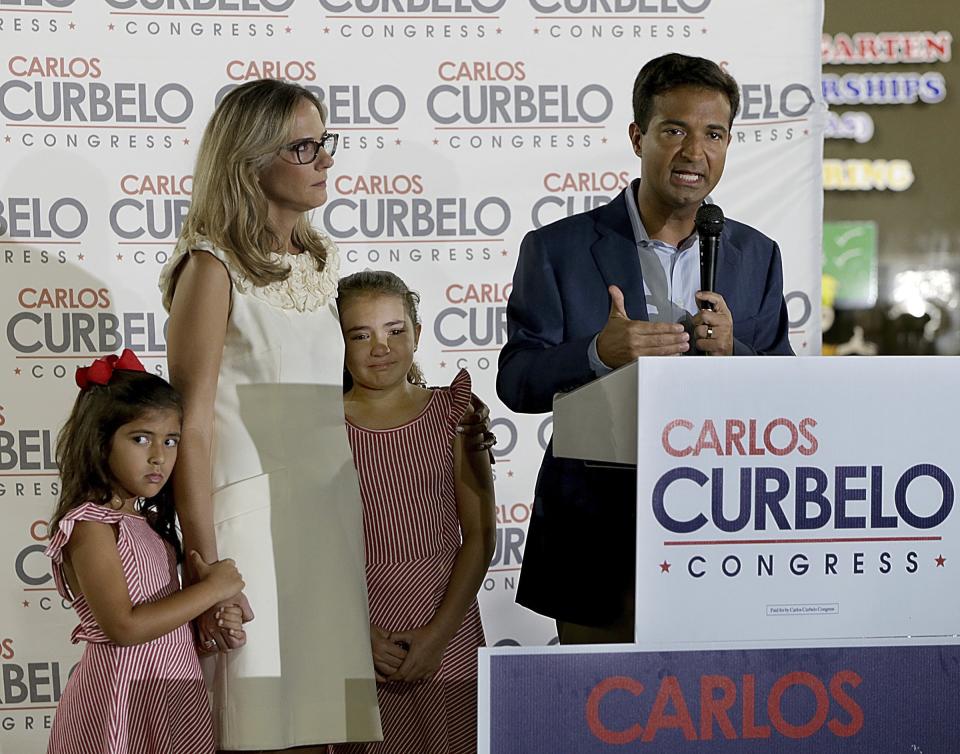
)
(305, 151)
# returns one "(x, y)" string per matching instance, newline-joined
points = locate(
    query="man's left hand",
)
(713, 330)
(475, 427)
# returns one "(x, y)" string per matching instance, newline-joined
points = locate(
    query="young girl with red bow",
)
(138, 687)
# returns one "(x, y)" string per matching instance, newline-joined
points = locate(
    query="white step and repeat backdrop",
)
(464, 124)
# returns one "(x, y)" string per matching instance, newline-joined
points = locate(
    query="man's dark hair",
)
(670, 71)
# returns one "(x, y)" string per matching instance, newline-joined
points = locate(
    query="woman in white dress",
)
(266, 476)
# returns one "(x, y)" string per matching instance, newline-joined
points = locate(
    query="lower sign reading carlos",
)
(893, 698)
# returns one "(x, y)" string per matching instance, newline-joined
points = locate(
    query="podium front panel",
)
(797, 498)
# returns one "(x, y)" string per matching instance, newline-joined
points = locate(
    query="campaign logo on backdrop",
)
(42, 230)
(800, 312)
(49, 332)
(406, 217)
(146, 216)
(519, 439)
(32, 571)
(566, 193)
(92, 103)
(773, 112)
(28, 467)
(508, 104)
(203, 19)
(31, 687)
(471, 328)
(511, 536)
(611, 20)
(367, 116)
(413, 20)
(37, 17)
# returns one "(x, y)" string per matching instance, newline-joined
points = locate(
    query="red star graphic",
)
(503, 252)
(536, 30)
(397, 142)
(603, 139)
(499, 30)
(110, 27)
(17, 371)
(664, 567)
(288, 29)
(510, 473)
(6, 139)
(703, 30)
(326, 29)
(186, 142)
(26, 603)
(443, 365)
(119, 257)
(940, 561)
(80, 257)
(72, 26)
(435, 141)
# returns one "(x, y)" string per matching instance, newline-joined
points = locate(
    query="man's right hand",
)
(623, 339)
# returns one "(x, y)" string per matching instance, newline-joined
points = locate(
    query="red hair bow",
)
(101, 370)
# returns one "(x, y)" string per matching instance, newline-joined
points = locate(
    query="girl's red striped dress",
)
(411, 536)
(143, 699)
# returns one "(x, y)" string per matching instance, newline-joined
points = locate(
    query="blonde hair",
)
(228, 207)
(386, 284)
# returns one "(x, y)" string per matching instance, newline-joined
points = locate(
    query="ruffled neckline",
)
(305, 289)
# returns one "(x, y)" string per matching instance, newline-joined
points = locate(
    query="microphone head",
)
(709, 220)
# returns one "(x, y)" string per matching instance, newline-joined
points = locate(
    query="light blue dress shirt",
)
(671, 277)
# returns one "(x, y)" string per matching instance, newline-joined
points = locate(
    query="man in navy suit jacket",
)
(597, 290)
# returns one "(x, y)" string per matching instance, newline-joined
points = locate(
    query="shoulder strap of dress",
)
(59, 538)
(460, 398)
(174, 266)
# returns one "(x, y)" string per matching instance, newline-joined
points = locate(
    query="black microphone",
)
(709, 223)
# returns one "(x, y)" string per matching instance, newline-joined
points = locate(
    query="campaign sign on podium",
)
(809, 498)
(783, 498)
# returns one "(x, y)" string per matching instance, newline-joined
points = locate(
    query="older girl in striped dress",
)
(428, 521)
(138, 688)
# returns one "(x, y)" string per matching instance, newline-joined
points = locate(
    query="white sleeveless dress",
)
(287, 508)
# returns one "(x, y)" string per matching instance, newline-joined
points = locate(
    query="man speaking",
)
(597, 290)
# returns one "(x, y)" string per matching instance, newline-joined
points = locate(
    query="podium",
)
(786, 498)
(796, 564)
(598, 422)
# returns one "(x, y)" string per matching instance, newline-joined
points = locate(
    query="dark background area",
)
(918, 229)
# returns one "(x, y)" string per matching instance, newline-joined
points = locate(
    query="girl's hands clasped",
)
(388, 656)
(222, 575)
(425, 646)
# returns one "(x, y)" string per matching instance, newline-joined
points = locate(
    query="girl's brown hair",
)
(384, 283)
(228, 207)
(83, 446)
